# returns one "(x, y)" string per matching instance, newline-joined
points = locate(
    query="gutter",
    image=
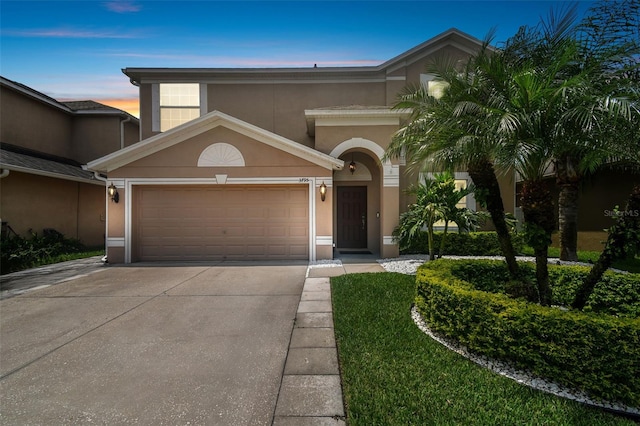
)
(126, 120)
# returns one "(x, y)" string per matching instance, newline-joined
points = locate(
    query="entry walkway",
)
(311, 391)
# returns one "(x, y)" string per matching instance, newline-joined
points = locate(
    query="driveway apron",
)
(150, 344)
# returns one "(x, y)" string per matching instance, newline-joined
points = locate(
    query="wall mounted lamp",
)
(323, 191)
(113, 193)
(352, 166)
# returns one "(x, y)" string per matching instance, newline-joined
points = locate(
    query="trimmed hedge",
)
(465, 244)
(594, 352)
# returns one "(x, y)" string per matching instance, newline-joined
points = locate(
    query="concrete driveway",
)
(143, 344)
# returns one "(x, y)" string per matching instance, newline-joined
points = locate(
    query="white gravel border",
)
(409, 264)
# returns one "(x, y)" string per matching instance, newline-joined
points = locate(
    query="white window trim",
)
(155, 104)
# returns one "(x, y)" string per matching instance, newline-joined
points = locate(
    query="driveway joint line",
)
(149, 298)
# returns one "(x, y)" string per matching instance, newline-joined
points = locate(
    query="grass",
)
(631, 264)
(393, 374)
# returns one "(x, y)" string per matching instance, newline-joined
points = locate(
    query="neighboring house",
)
(233, 162)
(44, 144)
(601, 192)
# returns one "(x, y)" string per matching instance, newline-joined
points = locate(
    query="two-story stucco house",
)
(43, 145)
(269, 163)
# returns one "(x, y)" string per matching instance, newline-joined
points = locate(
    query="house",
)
(43, 145)
(268, 163)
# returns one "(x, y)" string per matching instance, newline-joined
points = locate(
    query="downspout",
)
(106, 209)
(4, 173)
(126, 120)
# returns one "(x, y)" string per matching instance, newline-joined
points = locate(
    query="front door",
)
(352, 216)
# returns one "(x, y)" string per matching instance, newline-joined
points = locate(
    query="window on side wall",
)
(462, 180)
(177, 104)
(434, 88)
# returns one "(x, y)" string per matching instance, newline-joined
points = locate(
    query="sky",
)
(75, 50)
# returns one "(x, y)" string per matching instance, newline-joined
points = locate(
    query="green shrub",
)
(465, 244)
(595, 352)
(17, 253)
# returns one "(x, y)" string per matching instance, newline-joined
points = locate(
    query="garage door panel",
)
(217, 223)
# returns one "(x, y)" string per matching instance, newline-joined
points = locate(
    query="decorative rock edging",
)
(522, 377)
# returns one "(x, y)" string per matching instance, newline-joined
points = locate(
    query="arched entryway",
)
(357, 204)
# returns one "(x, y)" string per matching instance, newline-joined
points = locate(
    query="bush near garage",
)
(483, 243)
(597, 352)
(18, 253)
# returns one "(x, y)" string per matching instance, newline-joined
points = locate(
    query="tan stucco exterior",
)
(31, 203)
(44, 144)
(291, 126)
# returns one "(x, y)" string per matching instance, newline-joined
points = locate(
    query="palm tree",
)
(451, 132)
(600, 65)
(436, 200)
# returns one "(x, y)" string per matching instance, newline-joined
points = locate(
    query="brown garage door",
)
(221, 222)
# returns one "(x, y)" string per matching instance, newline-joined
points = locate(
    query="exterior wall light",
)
(113, 193)
(352, 166)
(323, 191)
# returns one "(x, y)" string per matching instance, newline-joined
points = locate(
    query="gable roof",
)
(451, 37)
(203, 124)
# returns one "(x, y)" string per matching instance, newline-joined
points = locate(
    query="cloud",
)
(122, 6)
(68, 33)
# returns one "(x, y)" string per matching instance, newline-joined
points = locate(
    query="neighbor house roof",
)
(72, 107)
(203, 124)
(14, 158)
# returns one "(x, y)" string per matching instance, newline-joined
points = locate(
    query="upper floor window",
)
(434, 88)
(177, 103)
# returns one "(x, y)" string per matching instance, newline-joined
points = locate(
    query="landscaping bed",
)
(394, 374)
(597, 351)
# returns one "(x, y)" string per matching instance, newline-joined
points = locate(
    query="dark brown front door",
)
(352, 217)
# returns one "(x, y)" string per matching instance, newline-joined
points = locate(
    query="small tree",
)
(436, 200)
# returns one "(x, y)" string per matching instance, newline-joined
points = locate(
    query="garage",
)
(220, 222)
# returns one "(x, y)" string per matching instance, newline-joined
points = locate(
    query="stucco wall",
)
(31, 124)
(30, 202)
(181, 160)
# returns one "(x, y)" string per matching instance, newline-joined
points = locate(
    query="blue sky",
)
(73, 50)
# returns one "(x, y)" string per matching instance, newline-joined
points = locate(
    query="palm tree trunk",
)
(537, 206)
(444, 237)
(568, 180)
(568, 221)
(488, 193)
(625, 232)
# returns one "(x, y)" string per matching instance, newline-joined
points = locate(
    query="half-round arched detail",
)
(355, 143)
(221, 155)
(361, 173)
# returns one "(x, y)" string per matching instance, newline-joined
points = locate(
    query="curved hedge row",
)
(597, 353)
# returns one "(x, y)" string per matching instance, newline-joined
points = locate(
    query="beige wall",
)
(278, 108)
(181, 160)
(31, 124)
(30, 202)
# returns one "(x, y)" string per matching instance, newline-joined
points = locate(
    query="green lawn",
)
(393, 374)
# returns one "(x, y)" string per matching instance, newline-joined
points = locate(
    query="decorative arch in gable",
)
(221, 155)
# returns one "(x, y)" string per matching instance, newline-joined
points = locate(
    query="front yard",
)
(393, 374)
